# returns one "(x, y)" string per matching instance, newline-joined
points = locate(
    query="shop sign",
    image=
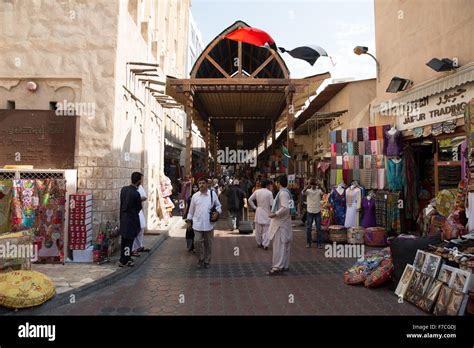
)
(38, 138)
(436, 108)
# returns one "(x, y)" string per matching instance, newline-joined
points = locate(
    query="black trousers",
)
(125, 250)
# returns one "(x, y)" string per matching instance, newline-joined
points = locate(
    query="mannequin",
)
(354, 204)
(368, 203)
(337, 199)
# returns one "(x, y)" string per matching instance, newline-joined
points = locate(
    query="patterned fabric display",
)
(6, 193)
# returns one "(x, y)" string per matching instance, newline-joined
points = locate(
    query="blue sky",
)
(336, 25)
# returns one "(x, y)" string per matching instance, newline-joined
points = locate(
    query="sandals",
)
(128, 264)
(135, 254)
(274, 272)
(144, 250)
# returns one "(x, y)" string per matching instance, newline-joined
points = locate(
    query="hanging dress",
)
(338, 203)
(353, 201)
(369, 213)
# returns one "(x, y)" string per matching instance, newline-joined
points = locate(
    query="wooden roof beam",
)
(218, 67)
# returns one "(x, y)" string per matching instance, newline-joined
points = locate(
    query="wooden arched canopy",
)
(233, 81)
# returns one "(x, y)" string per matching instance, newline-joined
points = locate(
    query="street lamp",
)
(365, 50)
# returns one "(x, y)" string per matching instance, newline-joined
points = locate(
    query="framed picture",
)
(405, 281)
(423, 284)
(414, 281)
(419, 260)
(454, 302)
(442, 302)
(431, 264)
(446, 273)
(460, 280)
(433, 292)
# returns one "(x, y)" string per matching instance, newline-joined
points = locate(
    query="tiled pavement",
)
(170, 284)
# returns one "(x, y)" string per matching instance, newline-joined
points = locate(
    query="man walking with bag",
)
(203, 212)
(235, 197)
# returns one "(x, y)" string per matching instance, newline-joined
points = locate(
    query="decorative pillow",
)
(381, 275)
(23, 289)
(355, 275)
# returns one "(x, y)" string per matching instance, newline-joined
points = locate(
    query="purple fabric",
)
(369, 213)
(392, 145)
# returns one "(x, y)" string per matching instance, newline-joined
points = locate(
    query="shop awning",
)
(318, 120)
(460, 76)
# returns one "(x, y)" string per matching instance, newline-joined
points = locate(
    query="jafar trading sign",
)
(38, 138)
(436, 108)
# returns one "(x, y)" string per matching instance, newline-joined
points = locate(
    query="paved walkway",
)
(169, 283)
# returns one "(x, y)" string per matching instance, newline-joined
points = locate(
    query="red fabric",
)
(372, 133)
(381, 275)
(345, 175)
(251, 36)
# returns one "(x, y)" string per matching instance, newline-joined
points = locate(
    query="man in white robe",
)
(138, 241)
(264, 199)
(280, 230)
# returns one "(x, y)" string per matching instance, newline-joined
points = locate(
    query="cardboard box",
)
(84, 255)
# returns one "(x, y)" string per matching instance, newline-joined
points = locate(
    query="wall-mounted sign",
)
(38, 138)
(436, 108)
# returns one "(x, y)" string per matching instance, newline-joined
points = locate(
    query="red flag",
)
(252, 36)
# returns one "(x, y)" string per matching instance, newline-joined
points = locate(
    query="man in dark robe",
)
(130, 206)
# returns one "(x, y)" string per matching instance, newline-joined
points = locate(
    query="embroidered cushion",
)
(23, 289)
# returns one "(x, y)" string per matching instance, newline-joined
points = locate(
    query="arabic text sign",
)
(38, 138)
(437, 108)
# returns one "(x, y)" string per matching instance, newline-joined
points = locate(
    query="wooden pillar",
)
(273, 137)
(189, 136)
(290, 118)
(207, 142)
(218, 165)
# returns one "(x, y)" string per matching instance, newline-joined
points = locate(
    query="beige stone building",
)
(103, 55)
(408, 35)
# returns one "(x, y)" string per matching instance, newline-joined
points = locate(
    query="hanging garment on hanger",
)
(381, 179)
(353, 202)
(410, 184)
(338, 203)
(392, 143)
(369, 213)
(394, 174)
(381, 208)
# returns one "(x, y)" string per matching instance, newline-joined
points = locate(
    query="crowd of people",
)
(220, 203)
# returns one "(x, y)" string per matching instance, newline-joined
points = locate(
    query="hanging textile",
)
(344, 136)
(379, 131)
(338, 136)
(338, 203)
(409, 184)
(360, 135)
(392, 143)
(372, 133)
(355, 146)
(369, 213)
(394, 174)
(461, 196)
(354, 203)
(332, 136)
(381, 179)
(24, 202)
(6, 193)
(338, 176)
(393, 212)
(381, 208)
(365, 132)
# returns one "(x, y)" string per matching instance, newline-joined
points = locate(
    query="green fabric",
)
(6, 187)
(338, 176)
